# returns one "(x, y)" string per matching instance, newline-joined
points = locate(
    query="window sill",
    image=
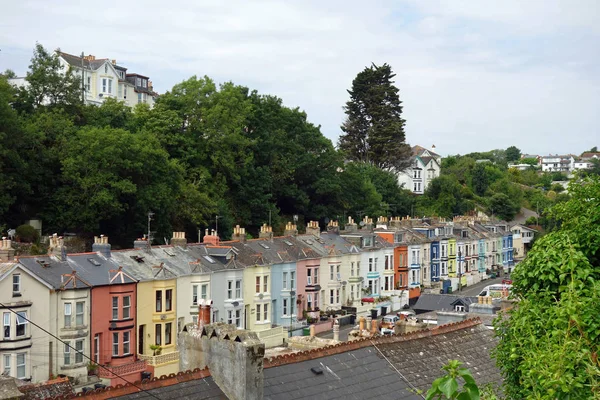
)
(16, 294)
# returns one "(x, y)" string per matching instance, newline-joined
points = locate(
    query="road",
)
(475, 289)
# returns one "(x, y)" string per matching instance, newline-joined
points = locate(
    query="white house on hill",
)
(425, 166)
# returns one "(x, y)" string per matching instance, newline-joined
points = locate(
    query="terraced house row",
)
(124, 308)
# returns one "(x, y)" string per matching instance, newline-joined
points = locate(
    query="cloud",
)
(473, 75)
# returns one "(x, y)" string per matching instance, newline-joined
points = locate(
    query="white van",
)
(496, 291)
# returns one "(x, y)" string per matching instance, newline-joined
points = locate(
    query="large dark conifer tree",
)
(374, 128)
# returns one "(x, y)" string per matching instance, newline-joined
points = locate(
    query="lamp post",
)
(292, 294)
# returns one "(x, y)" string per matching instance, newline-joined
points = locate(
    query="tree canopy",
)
(550, 341)
(373, 131)
(205, 149)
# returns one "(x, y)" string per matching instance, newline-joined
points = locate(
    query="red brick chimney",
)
(211, 238)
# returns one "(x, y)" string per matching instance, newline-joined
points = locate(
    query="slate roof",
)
(200, 389)
(57, 273)
(77, 61)
(421, 360)
(359, 374)
(442, 302)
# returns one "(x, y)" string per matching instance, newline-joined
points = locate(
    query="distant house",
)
(424, 167)
(558, 163)
(102, 78)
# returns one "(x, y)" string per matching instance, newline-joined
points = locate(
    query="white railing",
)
(160, 359)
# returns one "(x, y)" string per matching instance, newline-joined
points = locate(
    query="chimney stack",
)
(333, 227)
(179, 239)
(382, 222)
(101, 245)
(367, 224)
(211, 238)
(7, 253)
(114, 62)
(239, 234)
(266, 232)
(140, 243)
(290, 230)
(204, 307)
(313, 229)
(351, 225)
(57, 247)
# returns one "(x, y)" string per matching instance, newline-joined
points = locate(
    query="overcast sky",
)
(473, 75)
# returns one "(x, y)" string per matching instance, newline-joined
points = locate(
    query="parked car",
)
(404, 314)
(386, 325)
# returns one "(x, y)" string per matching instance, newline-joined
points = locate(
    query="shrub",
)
(27, 233)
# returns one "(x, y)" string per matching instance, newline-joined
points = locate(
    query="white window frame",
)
(204, 291)
(265, 284)
(258, 314)
(292, 280)
(16, 284)
(104, 85)
(22, 375)
(6, 324)
(126, 307)
(194, 295)
(79, 316)
(238, 288)
(266, 312)
(284, 307)
(23, 315)
(115, 344)
(67, 353)
(79, 351)
(68, 314)
(115, 308)
(110, 86)
(126, 342)
(230, 290)
(6, 364)
(284, 280)
(458, 308)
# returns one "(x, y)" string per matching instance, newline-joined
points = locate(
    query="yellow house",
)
(452, 271)
(156, 308)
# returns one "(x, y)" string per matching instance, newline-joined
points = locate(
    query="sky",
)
(473, 75)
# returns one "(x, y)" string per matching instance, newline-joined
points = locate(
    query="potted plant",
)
(156, 348)
(92, 368)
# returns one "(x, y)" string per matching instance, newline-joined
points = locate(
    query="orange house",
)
(400, 257)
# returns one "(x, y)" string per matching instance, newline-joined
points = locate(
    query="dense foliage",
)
(550, 341)
(373, 131)
(203, 150)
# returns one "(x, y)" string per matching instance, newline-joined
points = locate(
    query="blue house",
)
(435, 260)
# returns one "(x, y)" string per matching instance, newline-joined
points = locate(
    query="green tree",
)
(458, 383)
(373, 131)
(550, 342)
(512, 153)
(445, 197)
(8, 74)
(49, 83)
(503, 207)
(480, 180)
(531, 161)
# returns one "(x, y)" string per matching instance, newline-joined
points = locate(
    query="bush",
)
(27, 233)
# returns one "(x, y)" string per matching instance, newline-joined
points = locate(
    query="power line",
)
(77, 351)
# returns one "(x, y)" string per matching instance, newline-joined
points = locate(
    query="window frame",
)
(79, 352)
(78, 314)
(115, 308)
(115, 344)
(23, 365)
(22, 314)
(168, 333)
(67, 353)
(16, 284)
(126, 342)
(168, 300)
(127, 307)
(195, 295)
(68, 314)
(6, 317)
(158, 301)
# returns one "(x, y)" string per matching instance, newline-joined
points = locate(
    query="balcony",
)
(119, 370)
(160, 359)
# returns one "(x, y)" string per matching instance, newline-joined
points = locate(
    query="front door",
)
(141, 336)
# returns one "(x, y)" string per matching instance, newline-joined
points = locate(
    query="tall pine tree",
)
(374, 128)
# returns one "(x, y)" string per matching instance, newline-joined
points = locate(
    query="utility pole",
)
(82, 78)
(150, 215)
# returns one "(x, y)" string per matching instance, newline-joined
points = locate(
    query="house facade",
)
(424, 167)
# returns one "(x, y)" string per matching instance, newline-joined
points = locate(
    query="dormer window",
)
(367, 241)
(138, 81)
(398, 237)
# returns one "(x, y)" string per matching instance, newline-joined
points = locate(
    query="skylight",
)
(288, 242)
(169, 252)
(94, 262)
(209, 259)
(263, 245)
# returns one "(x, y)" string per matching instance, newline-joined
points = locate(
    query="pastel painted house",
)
(23, 346)
(68, 312)
(113, 309)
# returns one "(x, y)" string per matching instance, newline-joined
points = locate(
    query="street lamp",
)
(292, 294)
